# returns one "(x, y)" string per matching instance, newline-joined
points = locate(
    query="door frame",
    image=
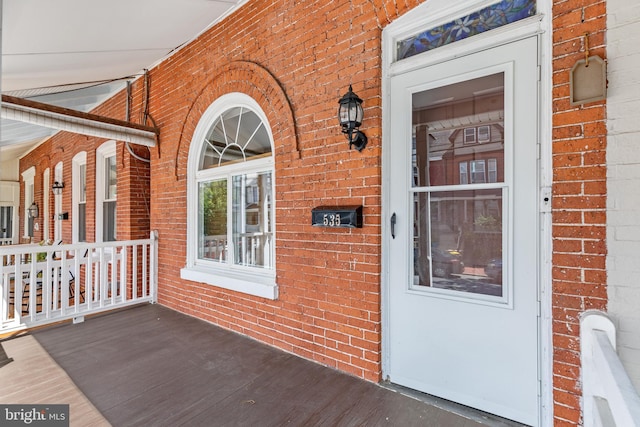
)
(425, 16)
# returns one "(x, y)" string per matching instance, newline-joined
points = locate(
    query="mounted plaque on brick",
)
(337, 216)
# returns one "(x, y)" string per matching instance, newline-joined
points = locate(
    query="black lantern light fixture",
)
(351, 114)
(57, 188)
(33, 210)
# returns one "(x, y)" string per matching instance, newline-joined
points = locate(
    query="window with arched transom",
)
(230, 211)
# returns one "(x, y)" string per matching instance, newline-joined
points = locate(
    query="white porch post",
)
(153, 267)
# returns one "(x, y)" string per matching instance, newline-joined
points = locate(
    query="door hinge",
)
(539, 73)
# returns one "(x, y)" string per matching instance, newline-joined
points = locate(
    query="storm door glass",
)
(459, 186)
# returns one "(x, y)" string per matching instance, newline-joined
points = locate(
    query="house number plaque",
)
(337, 216)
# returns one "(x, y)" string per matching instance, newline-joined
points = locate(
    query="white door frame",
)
(425, 16)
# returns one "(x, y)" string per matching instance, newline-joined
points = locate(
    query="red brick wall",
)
(329, 280)
(296, 59)
(133, 179)
(579, 202)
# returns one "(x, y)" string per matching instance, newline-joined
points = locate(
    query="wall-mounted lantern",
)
(57, 188)
(350, 114)
(33, 210)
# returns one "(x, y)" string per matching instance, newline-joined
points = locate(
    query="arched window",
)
(230, 241)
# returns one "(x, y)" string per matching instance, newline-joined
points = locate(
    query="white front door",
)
(463, 276)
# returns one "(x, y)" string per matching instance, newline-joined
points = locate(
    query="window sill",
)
(260, 285)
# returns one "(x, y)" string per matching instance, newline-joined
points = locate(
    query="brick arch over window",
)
(253, 80)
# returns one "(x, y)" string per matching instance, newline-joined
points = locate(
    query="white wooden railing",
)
(47, 284)
(609, 398)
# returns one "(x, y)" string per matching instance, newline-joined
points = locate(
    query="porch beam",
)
(65, 119)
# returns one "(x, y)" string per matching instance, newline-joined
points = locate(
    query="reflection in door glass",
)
(458, 240)
(458, 182)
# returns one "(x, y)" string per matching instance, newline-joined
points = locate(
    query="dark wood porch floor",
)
(151, 366)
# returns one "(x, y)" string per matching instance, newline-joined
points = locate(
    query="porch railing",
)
(50, 283)
(609, 397)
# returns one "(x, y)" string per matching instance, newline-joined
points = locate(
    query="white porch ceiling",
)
(76, 53)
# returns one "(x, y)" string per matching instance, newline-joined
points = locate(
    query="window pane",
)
(470, 135)
(493, 170)
(478, 172)
(458, 241)
(252, 227)
(484, 133)
(463, 173)
(212, 220)
(83, 183)
(237, 135)
(82, 222)
(6, 222)
(445, 131)
(110, 178)
(109, 221)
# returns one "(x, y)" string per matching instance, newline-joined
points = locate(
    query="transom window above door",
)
(230, 240)
(479, 21)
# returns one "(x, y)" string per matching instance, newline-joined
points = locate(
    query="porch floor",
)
(152, 366)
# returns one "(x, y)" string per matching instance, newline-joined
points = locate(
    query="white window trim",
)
(28, 177)
(471, 133)
(488, 133)
(106, 150)
(252, 281)
(77, 161)
(57, 203)
(46, 183)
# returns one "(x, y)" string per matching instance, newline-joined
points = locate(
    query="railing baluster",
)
(153, 267)
(89, 282)
(123, 274)
(144, 271)
(17, 291)
(102, 266)
(33, 290)
(134, 271)
(61, 277)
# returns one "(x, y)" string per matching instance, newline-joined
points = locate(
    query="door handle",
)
(393, 226)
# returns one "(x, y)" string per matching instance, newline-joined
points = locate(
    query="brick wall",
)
(329, 280)
(133, 176)
(579, 200)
